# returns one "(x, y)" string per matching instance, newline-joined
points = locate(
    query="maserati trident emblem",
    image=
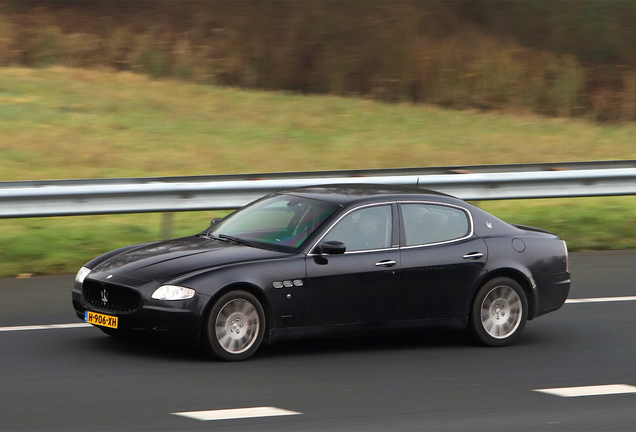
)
(104, 296)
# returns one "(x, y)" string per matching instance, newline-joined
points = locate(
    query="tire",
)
(235, 326)
(499, 312)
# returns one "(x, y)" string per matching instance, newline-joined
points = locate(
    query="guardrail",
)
(172, 194)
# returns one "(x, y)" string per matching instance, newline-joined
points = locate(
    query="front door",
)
(358, 286)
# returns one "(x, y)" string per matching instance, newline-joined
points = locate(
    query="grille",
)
(119, 299)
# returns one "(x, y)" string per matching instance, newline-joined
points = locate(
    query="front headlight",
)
(81, 274)
(173, 292)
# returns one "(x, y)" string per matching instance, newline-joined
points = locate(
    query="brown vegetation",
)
(552, 58)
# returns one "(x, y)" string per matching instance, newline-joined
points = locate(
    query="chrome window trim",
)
(436, 244)
(471, 232)
(368, 251)
(344, 215)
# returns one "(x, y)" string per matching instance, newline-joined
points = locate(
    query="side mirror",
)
(331, 248)
(215, 221)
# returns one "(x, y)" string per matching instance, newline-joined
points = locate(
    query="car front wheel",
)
(235, 326)
(499, 312)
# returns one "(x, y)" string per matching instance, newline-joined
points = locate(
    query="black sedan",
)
(337, 259)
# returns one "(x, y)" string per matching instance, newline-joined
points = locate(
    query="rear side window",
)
(431, 223)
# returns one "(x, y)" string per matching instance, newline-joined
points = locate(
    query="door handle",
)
(473, 255)
(385, 264)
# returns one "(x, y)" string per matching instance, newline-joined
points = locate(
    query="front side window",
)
(365, 229)
(430, 223)
(282, 221)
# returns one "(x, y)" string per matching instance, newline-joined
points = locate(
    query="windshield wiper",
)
(231, 239)
(236, 240)
(208, 235)
(224, 240)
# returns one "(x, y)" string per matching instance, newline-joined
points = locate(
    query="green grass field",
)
(72, 123)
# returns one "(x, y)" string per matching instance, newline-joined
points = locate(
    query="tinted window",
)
(283, 220)
(365, 229)
(430, 223)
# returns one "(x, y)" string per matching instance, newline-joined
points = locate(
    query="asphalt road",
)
(80, 379)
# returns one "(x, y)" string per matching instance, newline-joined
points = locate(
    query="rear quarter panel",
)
(541, 264)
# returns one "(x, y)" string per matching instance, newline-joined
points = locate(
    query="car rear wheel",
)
(235, 326)
(499, 312)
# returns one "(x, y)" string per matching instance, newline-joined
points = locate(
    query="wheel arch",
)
(519, 277)
(243, 286)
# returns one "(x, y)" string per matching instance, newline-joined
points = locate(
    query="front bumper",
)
(178, 321)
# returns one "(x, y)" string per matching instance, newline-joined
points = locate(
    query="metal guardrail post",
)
(167, 225)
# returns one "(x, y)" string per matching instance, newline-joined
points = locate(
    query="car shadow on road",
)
(99, 344)
(406, 340)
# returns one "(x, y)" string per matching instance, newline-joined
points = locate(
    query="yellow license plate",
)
(100, 320)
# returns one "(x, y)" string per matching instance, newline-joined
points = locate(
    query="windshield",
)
(282, 221)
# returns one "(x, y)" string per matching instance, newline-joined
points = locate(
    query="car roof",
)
(344, 194)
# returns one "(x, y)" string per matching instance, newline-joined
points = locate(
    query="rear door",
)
(440, 260)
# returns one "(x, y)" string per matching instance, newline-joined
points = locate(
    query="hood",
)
(169, 259)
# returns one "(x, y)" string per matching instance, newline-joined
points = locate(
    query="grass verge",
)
(70, 123)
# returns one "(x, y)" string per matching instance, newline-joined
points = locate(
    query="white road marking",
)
(601, 299)
(239, 413)
(44, 327)
(598, 390)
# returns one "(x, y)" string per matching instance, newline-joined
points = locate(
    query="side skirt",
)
(341, 330)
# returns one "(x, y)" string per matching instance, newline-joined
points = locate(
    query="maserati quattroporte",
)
(332, 260)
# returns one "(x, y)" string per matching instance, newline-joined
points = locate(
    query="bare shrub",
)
(628, 108)
(454, 54)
